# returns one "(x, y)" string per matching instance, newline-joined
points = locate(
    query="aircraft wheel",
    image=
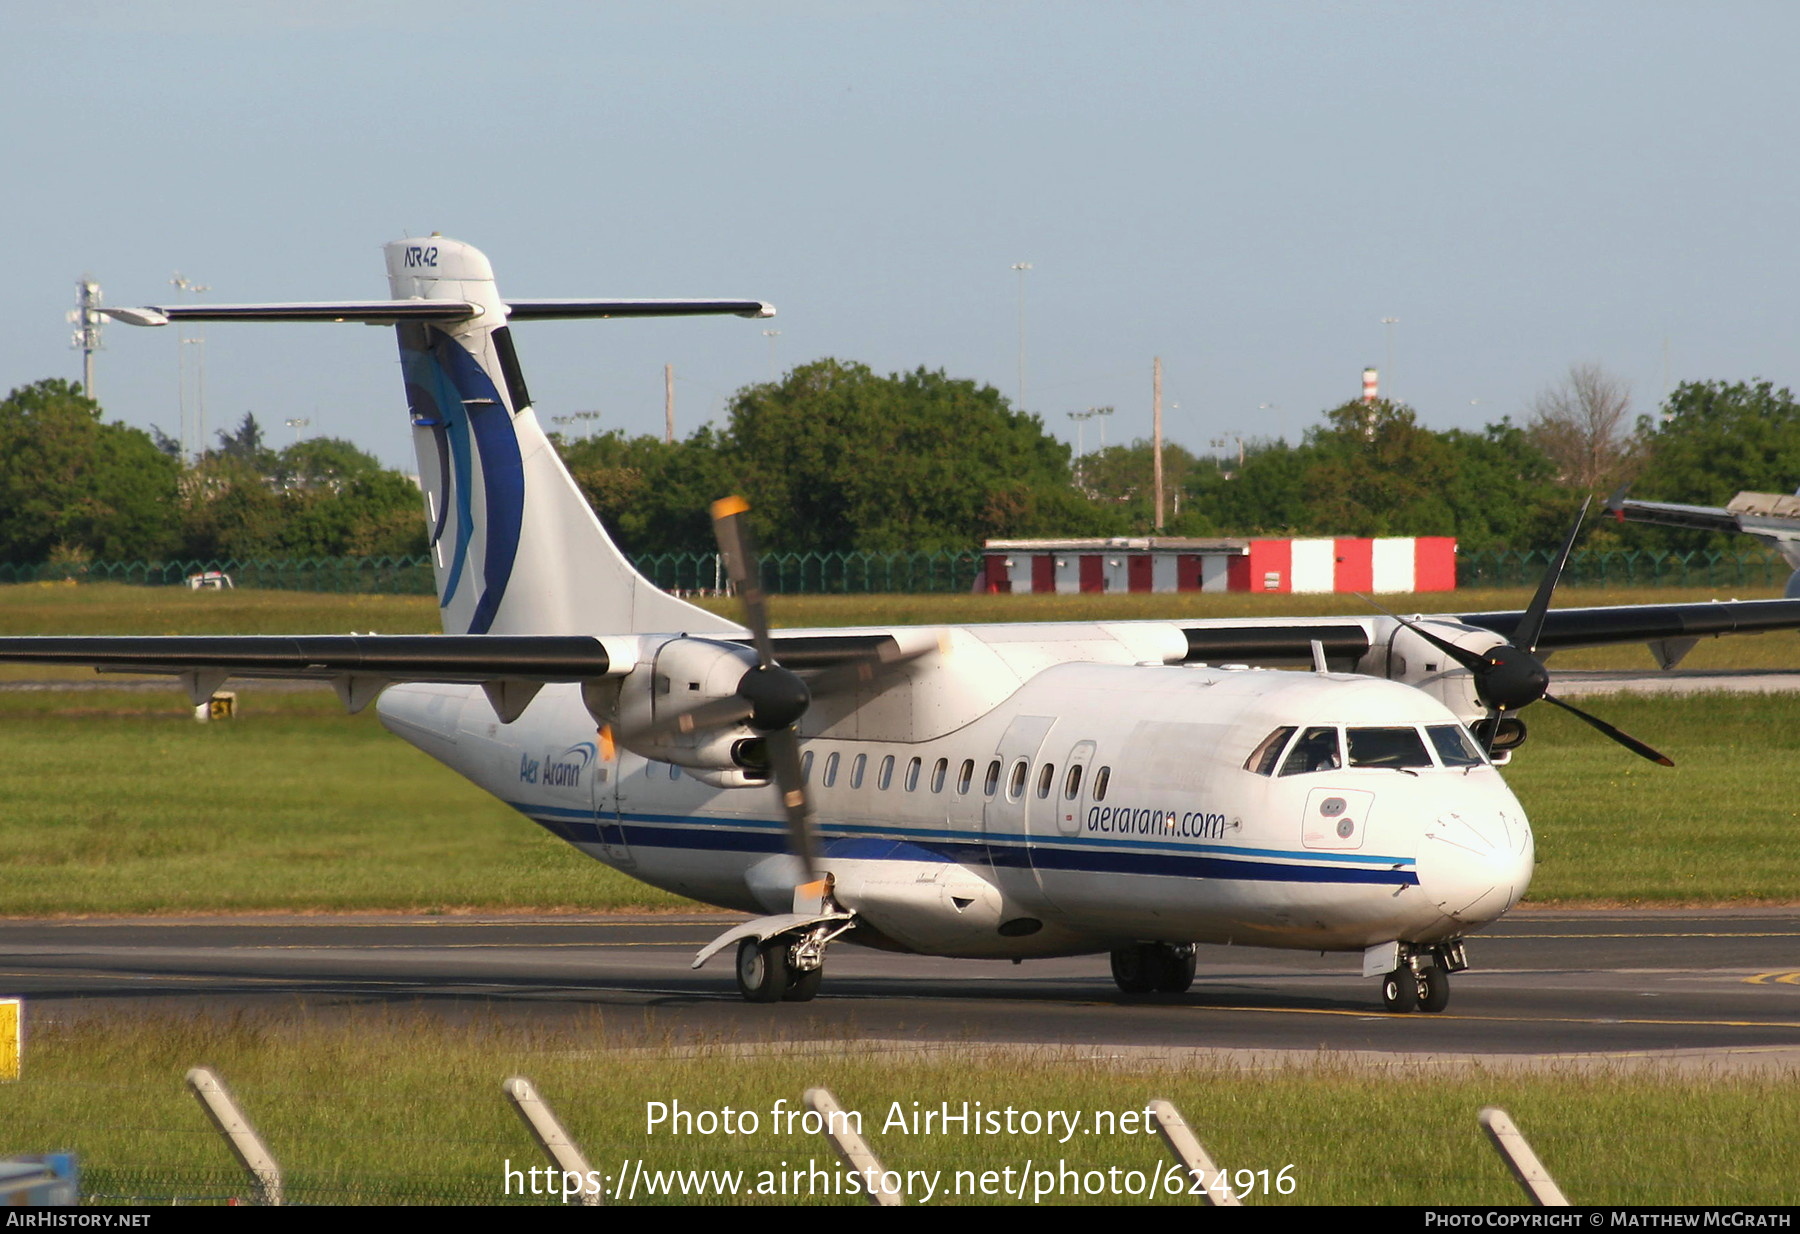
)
(762, 969)
(1177, 969)
(1434, 989)
(1400, 990)
(803, 987)
(1135, 969)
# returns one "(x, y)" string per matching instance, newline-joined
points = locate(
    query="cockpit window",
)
(1317, 750)
(1262, 760)
(1387, 747)
(1454, 745)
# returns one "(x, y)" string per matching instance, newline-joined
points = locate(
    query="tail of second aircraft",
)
(514, 545)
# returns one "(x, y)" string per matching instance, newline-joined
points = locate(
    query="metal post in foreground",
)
(1519, 1158)
(555, 1142)
(239, 1135)
(851, 1148)
(1180, 1138)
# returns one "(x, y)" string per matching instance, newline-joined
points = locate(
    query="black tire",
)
(803, 986)
(762, 969)
(1135, 970)
(1400, 990)
(1177, 969)
(1434, 989)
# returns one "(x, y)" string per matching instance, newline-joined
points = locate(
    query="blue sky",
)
(1245, 190)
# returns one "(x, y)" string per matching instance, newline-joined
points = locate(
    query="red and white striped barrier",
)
(1393, 564)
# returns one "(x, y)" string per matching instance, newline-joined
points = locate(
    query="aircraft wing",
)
(1673, 514)
(511, 668)
(1273, 642)
(1648, 623)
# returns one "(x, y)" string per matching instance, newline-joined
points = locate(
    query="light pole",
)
(1102, 412)
(195, 446)
(1021, 267)
(771, 335)
(1387, 370)
(297, 424)
(1081, 418)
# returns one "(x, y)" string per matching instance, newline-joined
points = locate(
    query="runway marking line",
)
(1778, 978)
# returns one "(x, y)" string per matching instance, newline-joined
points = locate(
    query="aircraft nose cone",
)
(1474, 867)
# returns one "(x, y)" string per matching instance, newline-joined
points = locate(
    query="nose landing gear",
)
(1422, 980)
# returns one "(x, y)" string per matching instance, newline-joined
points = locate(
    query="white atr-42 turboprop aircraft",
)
(993, 792)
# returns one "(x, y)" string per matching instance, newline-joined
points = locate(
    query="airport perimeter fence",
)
(1622, 568)
(879, 573)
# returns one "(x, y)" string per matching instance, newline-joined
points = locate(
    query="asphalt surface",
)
(1697, 987)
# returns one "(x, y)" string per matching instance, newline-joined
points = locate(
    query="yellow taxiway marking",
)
(1777, 978)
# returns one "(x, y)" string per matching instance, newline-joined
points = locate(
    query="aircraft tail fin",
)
(514, 545)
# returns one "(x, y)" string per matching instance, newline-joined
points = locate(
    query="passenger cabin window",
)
(831, 762)
(992, 781)
(1015, 783)
(912, 775)
(1387, 747)
(1317, 750)
(939, 770)
(887, 773)
(1101, 778)
(806, 767)
(856, 770)
(1264, 758)
(1046, 780)
(965, 776)
(1072, 784)
(1455, 748)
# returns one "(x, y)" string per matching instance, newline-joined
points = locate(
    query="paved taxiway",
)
(1712, 986)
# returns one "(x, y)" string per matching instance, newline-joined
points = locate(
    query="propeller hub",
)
(1512, 678)
(776, 695)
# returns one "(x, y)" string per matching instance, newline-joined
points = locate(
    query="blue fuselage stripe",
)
(1090, 856)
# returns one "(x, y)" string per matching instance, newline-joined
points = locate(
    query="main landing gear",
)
(784, 969)
(1422, 981)
(1154, 968)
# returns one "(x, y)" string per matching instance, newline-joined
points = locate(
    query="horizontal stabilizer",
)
(390, 312)
(375, 312)
(548, 310)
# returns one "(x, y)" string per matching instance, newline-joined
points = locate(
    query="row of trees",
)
(75, 487)
(836, 457)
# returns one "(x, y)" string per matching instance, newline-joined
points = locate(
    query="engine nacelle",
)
(678, 676)
(1405, 657)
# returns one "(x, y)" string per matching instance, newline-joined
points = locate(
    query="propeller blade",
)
(790, 783)
(731, 527)
(1531, 626)
(719, 713)
(1491, 732)
(777, 692)
(864, 670)
(1625, 739)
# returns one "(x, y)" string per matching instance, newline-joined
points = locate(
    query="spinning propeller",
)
(1509, 675)
(770, 698)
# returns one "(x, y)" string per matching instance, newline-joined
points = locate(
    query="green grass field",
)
(408, 1109)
